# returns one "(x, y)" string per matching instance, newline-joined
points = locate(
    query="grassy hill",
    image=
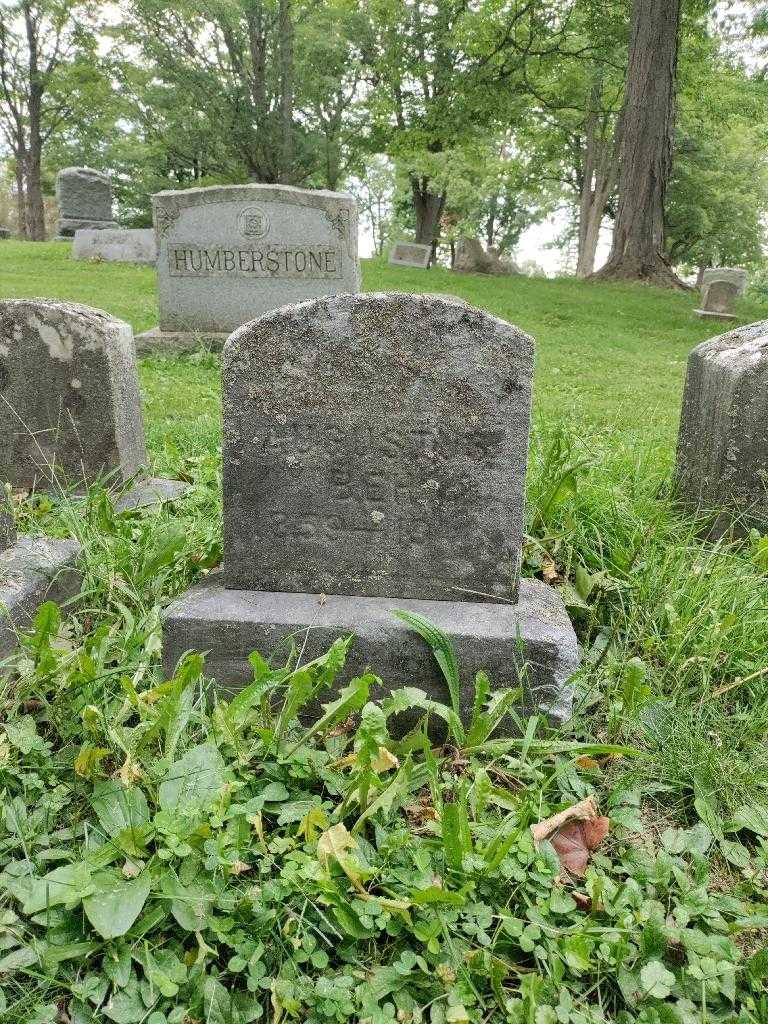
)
(610, 357)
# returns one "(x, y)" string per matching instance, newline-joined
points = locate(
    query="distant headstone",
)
(410, 254)
(471, 258)
(722, 453)
(84, 198)
(374, 451)
(115, 245)
(5, 233)
(229, 253)
(720, 287)
(69, 400)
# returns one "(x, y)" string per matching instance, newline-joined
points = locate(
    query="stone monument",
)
(410, 254)
(230, 253)
(69, 395)
(722, 450)
(375, 452)
(84, 197)
(32, 570)
(115, 245)
(720, 287)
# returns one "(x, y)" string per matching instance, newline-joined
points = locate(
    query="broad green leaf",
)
(125, 1005)
(656, 981)
(116, 903)
(194, 780)
(351, 698)
(67, 884)
(436, 894)
(118, 807)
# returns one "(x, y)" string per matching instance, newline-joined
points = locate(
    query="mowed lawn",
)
(610, 358)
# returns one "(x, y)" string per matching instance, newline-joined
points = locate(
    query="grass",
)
(294, 907)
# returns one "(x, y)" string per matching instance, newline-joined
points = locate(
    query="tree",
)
(648, 119)
(718, 193)
(444, 75)
(47, 64)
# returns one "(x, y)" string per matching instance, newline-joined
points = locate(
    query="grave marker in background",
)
(84, 198)
(720, 287)
(722, 453)
(230, 253)
(375, 451)
(115, 245)
(410, 254)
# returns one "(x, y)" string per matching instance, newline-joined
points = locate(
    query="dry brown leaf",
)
(573, 833)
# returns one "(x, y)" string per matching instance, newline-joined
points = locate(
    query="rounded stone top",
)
(15, 309)
(83, 172)
(192, 196)
(422, 317)
(744, 346)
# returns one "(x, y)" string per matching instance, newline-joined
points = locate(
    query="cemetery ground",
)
(332, 873)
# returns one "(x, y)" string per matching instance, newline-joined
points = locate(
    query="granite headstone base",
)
(174, 343)
(34, 570)
(711, 314)
(531, 642)
(67, 226)
(121, 245)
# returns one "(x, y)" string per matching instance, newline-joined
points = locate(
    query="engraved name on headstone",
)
(376, 445)
(227, 254)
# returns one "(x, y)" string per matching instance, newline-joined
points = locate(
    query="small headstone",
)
(84, 198)
(374, 453)
(115, 245)
(229, 253)
(69, 398)
(150, 493)
(5, 233)
(720, 288)
(410, 254)
(722, 453)
(471, 258)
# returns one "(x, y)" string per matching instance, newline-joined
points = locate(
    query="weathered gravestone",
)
(115, 245)
(84, 198)
(69, 396)
(374, 452)
(32, 570)
(722, 452)
(5, 233)
(471, 258)
(227, 254)
(410, 254)
(720, 287)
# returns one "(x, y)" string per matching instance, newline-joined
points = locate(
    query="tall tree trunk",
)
(490, 223)
(637, 253)
(21, 196)
(599, 175)
(286, 36)
(428, 208)
(35, 206)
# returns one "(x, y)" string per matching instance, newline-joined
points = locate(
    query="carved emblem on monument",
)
(253, 222)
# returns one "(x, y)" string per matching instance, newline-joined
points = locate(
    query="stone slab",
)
(175, 343)
(712, 314)
(227, 254)
(32, 571)
(228, 625)
(722, 451)
(5, 233)
(84, 198)
(117, 245)
(410, 254)
(376, 445)
(69, 395)
(147, 493)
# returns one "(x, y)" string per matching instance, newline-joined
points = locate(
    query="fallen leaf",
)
(573, 833)
(549, 571)
(384, 761)
(587, 762)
